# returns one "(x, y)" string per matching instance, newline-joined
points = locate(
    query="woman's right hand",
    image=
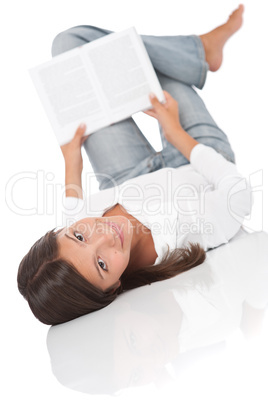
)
(167, 114)
(74, 163)
(72, 150)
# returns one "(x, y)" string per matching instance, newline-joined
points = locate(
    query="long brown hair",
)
(57, 292)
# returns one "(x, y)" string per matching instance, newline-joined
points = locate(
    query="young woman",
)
(159, 234)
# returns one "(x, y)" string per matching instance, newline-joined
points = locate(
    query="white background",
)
(236, 96)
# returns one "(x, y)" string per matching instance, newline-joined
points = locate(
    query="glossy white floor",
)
(200, 336)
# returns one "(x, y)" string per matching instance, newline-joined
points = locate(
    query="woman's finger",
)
(79, 134)
(155, 102)
(84, 139)
(150, 113)
(80, 130)
(167, 95)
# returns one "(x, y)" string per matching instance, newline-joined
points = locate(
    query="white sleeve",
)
(96, 204)
(220, 211)
(73, 210)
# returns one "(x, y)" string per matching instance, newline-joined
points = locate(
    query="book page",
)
(70, 91)
(69, 95)
(122, 78)
(125, 73)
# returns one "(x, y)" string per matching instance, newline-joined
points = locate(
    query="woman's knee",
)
(61, 43)
(65, 41)
(220, 143)
(76, 36)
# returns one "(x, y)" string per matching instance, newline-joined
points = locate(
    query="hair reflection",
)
(151, 334)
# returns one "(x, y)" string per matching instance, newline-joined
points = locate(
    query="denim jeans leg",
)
(196, 120)
(76, 36)
(179, 57)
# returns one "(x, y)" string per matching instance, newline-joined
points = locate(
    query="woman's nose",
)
(106, 236)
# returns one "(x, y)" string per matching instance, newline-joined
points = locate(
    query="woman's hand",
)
(74, 163)
(168, 117)
(167, 114)
(72, 151)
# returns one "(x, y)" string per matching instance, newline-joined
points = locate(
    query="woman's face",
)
(99, 248)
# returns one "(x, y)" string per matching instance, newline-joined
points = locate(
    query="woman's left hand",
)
(72, 151)
(168, 117)
(167, 114)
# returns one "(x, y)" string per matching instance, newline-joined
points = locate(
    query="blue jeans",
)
(120, 152)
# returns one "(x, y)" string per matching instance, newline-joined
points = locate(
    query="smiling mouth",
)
(118, 231)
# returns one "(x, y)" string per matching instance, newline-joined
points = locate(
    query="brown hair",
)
(57, 292)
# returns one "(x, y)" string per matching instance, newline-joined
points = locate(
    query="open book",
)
(99, 83)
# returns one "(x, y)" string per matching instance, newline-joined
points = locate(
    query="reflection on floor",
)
(210, 322)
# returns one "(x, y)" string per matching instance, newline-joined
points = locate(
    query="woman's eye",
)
(102, 264)
(79, 236)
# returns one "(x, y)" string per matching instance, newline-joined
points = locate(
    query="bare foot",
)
(215, 40)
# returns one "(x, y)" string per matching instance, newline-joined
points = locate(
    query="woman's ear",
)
(114, 287)
(117, 285)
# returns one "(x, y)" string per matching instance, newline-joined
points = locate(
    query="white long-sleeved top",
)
(203, 202)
